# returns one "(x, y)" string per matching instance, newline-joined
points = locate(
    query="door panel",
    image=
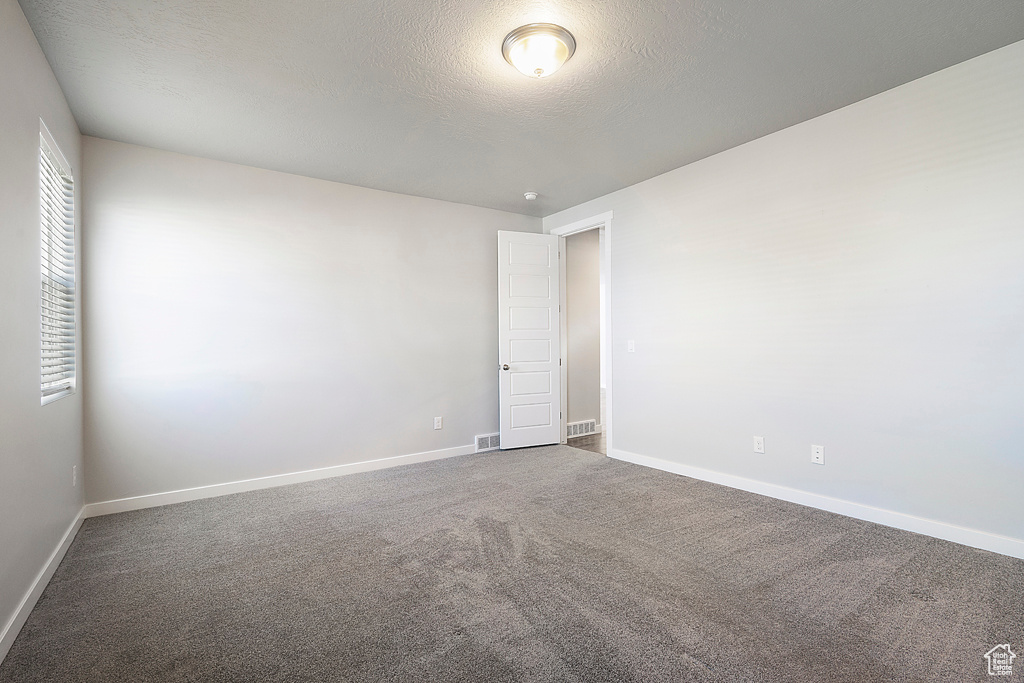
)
(529, 351)
(529, 318)
(529, 286)
(528, 254)
(531, 415)
(528, 339)
(530, 383)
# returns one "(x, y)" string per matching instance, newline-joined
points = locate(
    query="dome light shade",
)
(538, 50)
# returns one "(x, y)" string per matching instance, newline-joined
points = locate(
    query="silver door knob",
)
(505, 366)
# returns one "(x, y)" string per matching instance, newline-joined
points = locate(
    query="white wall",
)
(583, 325)
(38, 444)
(243, 323)
(855, 281)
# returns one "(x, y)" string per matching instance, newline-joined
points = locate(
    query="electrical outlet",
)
(759, 444)
(74, 475)
(630, 346)
(818, 455)
(437, 422)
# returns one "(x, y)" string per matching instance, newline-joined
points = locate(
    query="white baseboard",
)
(213, 490)
(20, 616)
(1004, 545)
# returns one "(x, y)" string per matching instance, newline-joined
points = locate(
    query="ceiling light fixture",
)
(530, 196)
(538, 50)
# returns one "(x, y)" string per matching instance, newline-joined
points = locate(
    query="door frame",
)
(600, 221)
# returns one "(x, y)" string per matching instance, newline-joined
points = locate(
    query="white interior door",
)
(528, 343)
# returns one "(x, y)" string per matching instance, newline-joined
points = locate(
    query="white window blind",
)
(57, 239)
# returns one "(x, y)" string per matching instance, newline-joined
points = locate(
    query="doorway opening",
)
(585, 325)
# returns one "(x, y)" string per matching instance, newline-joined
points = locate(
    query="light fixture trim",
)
(528, 31)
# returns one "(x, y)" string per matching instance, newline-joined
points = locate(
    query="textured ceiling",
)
(413, 96)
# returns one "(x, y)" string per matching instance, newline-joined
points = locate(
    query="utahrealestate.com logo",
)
(1000, 660)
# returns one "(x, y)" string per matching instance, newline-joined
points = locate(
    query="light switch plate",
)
(630, 346)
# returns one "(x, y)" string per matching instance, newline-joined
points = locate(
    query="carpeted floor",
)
(546, 564)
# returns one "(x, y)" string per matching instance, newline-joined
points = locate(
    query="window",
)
(57, 241)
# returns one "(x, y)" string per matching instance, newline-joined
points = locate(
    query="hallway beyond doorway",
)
(595, 443)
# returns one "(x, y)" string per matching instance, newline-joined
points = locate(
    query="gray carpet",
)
(547, 564)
